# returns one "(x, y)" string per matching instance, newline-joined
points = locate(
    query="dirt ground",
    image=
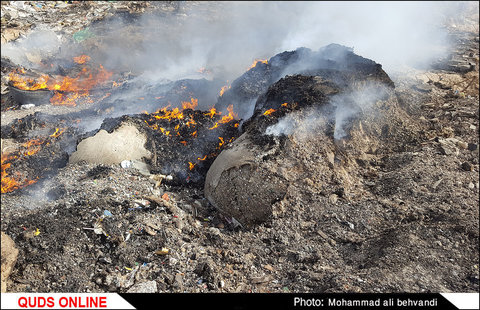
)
(408, 221)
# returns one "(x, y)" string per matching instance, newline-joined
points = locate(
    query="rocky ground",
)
(402, 218)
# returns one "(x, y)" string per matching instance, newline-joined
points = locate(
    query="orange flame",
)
(191, 122)
(222, 142)
(212, 113)
(264, 61)
(175, 113)
(224, 88)
(165, 132)
(269, 111)
(227, 118)
(81, 59)
(190, 105)
(9, 184)
(21, 82)
(84, 82)
(58, 131)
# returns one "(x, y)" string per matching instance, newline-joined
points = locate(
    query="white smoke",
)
(351, 104)
(285, 126)
(29, 51)
(228, 36)
(346, 106)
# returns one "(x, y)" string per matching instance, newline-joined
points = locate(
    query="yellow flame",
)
(269, 111)
(264, 61)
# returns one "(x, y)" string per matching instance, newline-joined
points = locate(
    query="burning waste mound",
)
(334, 91)
(35, 158)
(181, 143)
(319, 126)
(334, 62)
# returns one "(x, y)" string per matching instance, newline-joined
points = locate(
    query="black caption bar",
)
(245, 301)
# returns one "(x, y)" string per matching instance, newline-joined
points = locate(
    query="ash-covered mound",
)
(334, 62)
(317, 126)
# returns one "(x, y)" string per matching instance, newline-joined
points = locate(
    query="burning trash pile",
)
(303, 171)
(333, 85)
(183, 141)
(26, 88)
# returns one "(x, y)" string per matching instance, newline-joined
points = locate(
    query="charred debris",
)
(183, 134)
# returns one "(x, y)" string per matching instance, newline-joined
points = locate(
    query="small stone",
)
(462, 145)
(144, 287)
(435, 185)
(447, 147)
(467, 166)
(269, 267)
(424, 88)
(333, 198)
(472, 147)
(471, 185)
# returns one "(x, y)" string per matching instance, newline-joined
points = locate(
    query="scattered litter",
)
(97, 227)
(82, 35)
(165, 197)
(126, 164)
(107, 213)
(127, 236)
(163, 251)
(142, 203)
(27, 106)
(37, 232)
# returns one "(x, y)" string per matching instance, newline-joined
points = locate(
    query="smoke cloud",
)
(345, 106)
(394, 34)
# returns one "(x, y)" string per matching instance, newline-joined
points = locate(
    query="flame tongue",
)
(190, 128)
(263, 61)
(78, 87)
(9, 182)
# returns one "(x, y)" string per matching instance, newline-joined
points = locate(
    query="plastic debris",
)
(165, 197)
(107, 213)
(27, 106)
(128, 236)
(37, 232)
(163, 251)
(82, 35)
(126, 164)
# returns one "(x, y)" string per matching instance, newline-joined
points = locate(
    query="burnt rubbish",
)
(188, 124)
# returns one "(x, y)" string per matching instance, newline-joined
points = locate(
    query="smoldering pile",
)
(184, 139)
